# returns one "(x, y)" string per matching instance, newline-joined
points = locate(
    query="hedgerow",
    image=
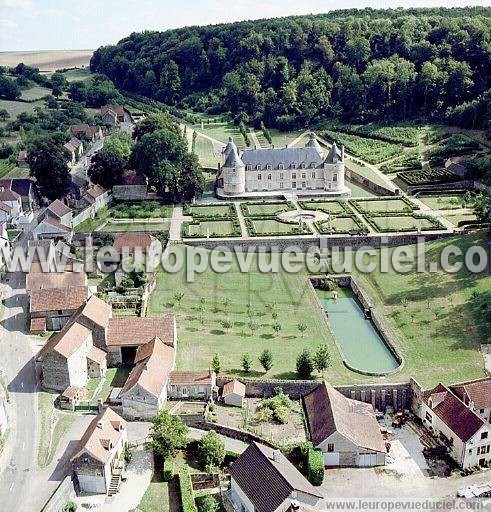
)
(315, 467)
(186, 491)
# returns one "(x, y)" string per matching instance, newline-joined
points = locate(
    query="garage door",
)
(331, 459)
(367, 459)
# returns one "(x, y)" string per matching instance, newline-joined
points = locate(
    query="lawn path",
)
(255, 140)
(176, 222)
(298, 139)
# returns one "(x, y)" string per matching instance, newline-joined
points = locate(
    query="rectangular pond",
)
(362, 346)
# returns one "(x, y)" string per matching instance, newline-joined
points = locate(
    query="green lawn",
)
(221, 132)
(340, 225)
(455, 218)
(272, 226)
(436, 323)
(331, 207)
(114, 378)
(14, 108)
(203, 148)
(219, 210)
(78, 74)
(391, 205)
(357, 190)
(366, 172)
(212, 228)
(273, 208)
(151, 227)
(402, 223)
(35, 93)
(140, 210)
(443, 201)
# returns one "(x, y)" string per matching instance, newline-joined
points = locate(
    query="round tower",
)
(313, 143)
(233, 173)
(334, 169)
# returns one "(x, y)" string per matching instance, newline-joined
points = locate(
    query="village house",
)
(60, 211)
(233, 393)
(71, 356)
(264, 480)
(133, 187)
(24, 187)
(145, 391)
(12, 200)
(5, 213)
(345, 430)
(461, 429)
(94, 196)
(50, 280)
(97, 463)
(126, 334)
(476, 394)
(75, 148)
(189, 384)
(303, 170)
(86, 132)
(50, 228)
(115, 114)
(50, 309)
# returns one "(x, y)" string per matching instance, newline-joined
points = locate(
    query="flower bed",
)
(259, 209)
(271, 226)
(426, 176)
(220, 228)
(334, 207)
(386, 205)
(402, 222)
(210, 211)
(341, 224)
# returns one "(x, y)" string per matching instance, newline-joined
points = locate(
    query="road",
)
(18, 462)
(79, 170)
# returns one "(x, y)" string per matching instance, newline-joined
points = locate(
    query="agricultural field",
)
(35, 93)
(48, 60)
(390, 205)
(78, 75)
(14, 108)
(457, 144)
(341, 224)
(264, 209)
(388, 223)
(5, 167)
(371, 150)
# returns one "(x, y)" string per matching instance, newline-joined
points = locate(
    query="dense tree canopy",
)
(355, 65)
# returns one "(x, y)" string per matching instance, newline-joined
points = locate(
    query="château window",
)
(294, 175)
(294, 166)
(428, 417)
(303, 184)
(268, 167)
(269, 176)
(259, 167)
(312, 175)
(281, 184)
(294, 184)
(303, 175)
(335, 178)
(259, 177)
(281, 166)
(249, 167)
(484, 435)
(281, 175)
(303, 166)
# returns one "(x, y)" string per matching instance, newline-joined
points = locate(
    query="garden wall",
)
(370, 185)
(64, 493)
(90, 211)
(436, 187)
(380, 395)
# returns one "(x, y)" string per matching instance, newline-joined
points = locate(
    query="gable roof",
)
(131, 331)
(234, 386)
(189, 378)
(93, 193)
(48, 280)
(329, 411)
(131, 177)
(5, 208)
(58, 208)
(58, 298)
(117, 110)
(132, 241)
(463, 422)
(154, 362)
(97, 311)
(477, 391)
(9, 195)
(267, 478)
(55, 224)
(105, 429)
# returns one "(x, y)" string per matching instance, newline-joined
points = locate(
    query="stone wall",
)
(89, 212)
(455, 185)
(63, 494)
(380, 395)
(368, 184)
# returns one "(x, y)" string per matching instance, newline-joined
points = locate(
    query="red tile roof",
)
(130, 241)
(191, 378)
(52, 299)
(234, 386)
(133, 331)
(478, 392)
(58, 208)
(38, 324)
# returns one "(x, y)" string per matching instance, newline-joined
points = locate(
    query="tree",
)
(482, 208)
(9, 90)
(106, 169)
(246, 363)
(266, 359)
(253, 326)
(207, 503)
(119, 143)
(168, 434)
(322, 359)
(178, 296)
(4, 115)
(216, 363)
(78, 91)
(211, 450)
(277, 328)
(48, 164)
(170, 83)
(305, 366)
(153, 122)
(302, 327)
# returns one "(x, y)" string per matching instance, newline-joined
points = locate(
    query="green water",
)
(362, 346)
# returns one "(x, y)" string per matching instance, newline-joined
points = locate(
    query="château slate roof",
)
(334, 155)
(313, 143)
(307, 157)
(229, 147)
(233, 159)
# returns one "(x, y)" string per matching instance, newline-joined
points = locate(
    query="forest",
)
(354, 66)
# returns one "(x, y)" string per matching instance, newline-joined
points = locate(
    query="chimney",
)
(342, 153)
(295, 505)
(100, 424)
(275, 455)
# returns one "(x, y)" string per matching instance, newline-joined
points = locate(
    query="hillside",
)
(354, 65)
(48, 60)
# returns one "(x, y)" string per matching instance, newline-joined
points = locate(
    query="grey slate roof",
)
(230, 145)
(308, 156)
(313, 143)
(233, 159)
(334, 155)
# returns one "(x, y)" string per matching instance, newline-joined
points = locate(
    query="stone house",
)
(60, 211)
(86, 132)
(346, 430)
(233, 393)
(97, 461)
(264, 480)
(51, 308)
(145, 391)
(22, 159)
(305, 170)
(461, 429)
(94, 196)
(75, 149)
(476, 395)
(133, 187)
(126, 334)
(50, 280)
(115, 114)
(13, 200)
(52, 229)
(24, 187)
(188, 384)
(5, 213)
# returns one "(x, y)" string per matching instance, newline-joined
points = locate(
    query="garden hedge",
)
(315, 467)
(342, 204)
(232, 212)
(295, 227)
(168, 470)
(186, 491)
(287, 206)
(410, 206)
(321, 225)
(436, 224)
(427, 176)
(236, 229)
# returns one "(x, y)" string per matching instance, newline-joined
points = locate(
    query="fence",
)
(87, 407)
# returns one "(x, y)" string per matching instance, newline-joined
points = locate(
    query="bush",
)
(168, 471)
(207, 503)
(211, 450)
(305, 365)
(70, 507)
(277, 407)
(186, 491)
(315, 467)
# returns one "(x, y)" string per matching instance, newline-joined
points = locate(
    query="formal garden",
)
(265, 208)
(211, 221)
(267, 226)
(385, 205)
(427, 176)
(402, 222)
(331, 207)
(341, 224)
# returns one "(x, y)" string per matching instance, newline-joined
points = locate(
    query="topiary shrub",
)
(168, 472)
(315, 467)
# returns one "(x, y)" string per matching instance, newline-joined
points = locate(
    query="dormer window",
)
(294, 166)
(303, 166)
(249, 167)
(281, 166)
(269, 167)
(259, 167)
